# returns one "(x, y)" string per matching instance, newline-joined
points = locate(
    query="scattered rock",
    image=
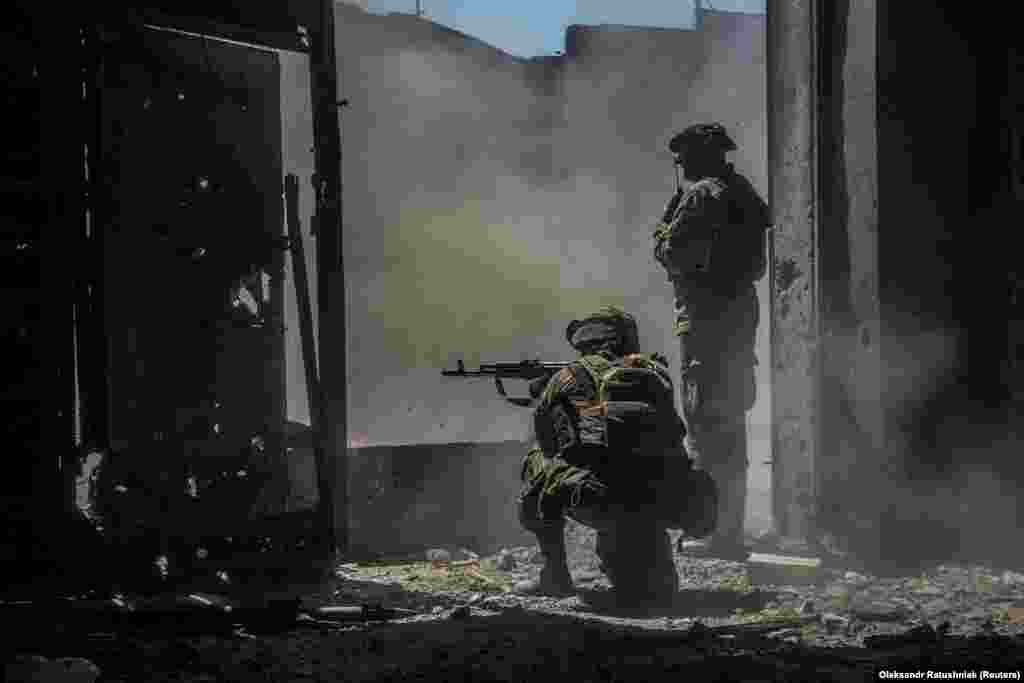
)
(36, 669)
(937, 608)
(919, 635)
(587, 576)
(978, 614)
(785, 633)
(1013, 579)
(835, 623)
(698, 630)
(879, 611)
(855, 578)
(808, 608)
(506, 561)
(438, 555)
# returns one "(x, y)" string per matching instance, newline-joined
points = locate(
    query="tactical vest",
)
(691, 244)
(633, 408)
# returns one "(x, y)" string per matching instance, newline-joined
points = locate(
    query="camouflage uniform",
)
(723, 220)
(630, 499)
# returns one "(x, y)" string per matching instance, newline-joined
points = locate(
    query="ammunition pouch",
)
(554, 429)
(692, 390)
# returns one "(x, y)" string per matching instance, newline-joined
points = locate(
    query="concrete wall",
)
(904, 280)
(489, 199)
(943, 272)
(795, 345)
(406, 498)
(852, 452)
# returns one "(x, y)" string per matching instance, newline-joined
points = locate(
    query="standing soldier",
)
(710, 241)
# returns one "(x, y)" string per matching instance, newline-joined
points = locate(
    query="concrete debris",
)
(36, 669)
(785, 633)
(506, 561)
(438, 555)
(450, 555)
(978, 614)
(835, 623)
(856, 578)
(880, 611)
(461, 612)
(923, 634)
(937, 608)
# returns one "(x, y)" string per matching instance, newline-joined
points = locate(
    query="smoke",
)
(489, 201)
(943, 486)
(485, 275)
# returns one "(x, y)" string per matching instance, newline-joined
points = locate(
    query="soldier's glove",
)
(538, 385)
(670, 208)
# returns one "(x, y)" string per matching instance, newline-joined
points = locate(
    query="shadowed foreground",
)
(844, 626)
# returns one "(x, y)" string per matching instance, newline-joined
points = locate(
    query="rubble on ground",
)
(463, 620)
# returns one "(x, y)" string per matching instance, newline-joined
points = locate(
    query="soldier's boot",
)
(641, 568)
(605, 551)
(554, 580)
(727, 541)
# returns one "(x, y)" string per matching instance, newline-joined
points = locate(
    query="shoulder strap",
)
(595, 366)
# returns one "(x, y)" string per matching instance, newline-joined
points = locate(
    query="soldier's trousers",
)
(717, 337)
(632, 542)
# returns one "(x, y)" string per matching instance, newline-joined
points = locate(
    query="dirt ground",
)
(844, 626)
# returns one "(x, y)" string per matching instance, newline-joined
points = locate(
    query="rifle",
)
(525, 369)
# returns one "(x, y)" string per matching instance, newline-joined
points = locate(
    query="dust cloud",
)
(489, 200)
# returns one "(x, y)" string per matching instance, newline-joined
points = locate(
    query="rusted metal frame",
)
(301, 277)
(93, 352)
(284, 37)
(331, 406)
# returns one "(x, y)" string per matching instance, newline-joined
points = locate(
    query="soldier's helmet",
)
(707, 135)
(609, 326)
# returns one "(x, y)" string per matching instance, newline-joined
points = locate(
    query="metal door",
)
(190, 162)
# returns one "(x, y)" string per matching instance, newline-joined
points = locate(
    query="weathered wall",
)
(795, 326)
(404, 498)
(898, 229)
(943, 274)
(852, 456)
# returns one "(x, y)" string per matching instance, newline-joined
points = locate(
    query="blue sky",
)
(528, 28)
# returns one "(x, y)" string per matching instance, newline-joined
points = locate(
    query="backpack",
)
(633, 408)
